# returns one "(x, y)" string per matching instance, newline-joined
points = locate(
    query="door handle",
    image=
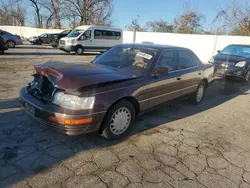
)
(179, 78)
(199, 73)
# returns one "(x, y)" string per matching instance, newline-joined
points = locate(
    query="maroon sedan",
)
(107, 94)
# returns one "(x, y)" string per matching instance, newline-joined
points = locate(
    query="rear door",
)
(165, 86)
(191, 73)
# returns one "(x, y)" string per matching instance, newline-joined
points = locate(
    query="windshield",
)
(131, 59)
(75, 33)
(243, 51)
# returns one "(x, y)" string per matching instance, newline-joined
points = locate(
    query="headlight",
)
(240, 64)
(211, 60)
(70, 41)
(73, 102)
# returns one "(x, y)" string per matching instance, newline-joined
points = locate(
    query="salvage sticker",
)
(144, 55)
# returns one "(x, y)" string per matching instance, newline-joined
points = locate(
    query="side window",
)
(86, 35)
(110, 35)
(168, 60)
(186, 60)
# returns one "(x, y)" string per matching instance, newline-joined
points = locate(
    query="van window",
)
(110, 35)
(86, 35)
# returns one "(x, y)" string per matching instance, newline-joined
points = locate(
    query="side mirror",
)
(160, 70)
(218, 51)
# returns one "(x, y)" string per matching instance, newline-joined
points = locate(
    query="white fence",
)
(204, 46)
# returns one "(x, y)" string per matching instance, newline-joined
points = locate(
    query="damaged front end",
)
(41, 88)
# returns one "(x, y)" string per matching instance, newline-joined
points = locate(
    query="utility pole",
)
(136, 27)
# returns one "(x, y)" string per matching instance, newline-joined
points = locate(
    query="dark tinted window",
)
(168, 60)
(111, 35)
(186, 60)
(2, 32)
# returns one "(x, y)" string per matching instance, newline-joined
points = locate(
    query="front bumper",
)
(66, 48)
(42, 112)
(236, 72)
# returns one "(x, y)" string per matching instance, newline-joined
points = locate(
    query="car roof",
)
(242, 45)
(155, 46)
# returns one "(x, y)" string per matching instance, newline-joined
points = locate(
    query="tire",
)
(1, 52)
(199, 94)
(79, 50)
(39, 42)
(112, 130)
(247, 76)
(11, 44)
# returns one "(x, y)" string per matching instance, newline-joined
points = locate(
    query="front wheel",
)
(199, 94)
(247, 76)
(118, 120)
(11, 44)
(79, 50)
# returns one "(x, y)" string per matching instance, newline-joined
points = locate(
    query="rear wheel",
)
(118, 120)
(1, 52)
(247, 76)
(199, 94)
(11, 44)
(79, 50)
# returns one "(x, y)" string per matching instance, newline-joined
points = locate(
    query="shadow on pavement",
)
(32, 148)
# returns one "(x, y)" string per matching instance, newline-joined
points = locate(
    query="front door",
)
(165, 86)
(86, 40)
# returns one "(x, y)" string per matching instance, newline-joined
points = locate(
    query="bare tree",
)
(236, 18)
(36, 5)
(12, 14)
(160, 26)
(56, 9)
(89, 11)
(51, 13)
(190, 21)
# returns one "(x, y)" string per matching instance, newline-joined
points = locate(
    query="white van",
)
(91, 38)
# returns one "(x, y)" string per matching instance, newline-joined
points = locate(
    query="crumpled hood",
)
(73, 77)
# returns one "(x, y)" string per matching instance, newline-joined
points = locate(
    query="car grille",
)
(62, 42)
(41, 88)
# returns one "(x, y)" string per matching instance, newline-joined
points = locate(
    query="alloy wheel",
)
(200, 93)
(11, 44)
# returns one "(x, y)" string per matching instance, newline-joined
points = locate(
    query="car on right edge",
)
(233, 61)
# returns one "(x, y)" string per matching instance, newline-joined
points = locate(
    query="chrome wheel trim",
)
(200, 93)
(120, 121)
(247, 75)
(10, 44)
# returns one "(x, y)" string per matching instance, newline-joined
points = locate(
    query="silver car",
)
(10, 39)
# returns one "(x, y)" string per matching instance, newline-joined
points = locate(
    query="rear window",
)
(109, 35)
